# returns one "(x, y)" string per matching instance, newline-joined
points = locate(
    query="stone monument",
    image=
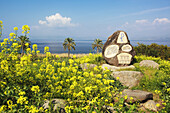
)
(117, 50)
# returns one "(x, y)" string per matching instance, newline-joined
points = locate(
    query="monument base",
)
(115, 68)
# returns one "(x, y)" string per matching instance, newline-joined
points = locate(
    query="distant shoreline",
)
(66, 54)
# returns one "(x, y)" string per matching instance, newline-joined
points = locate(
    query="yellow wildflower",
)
(12, 34)
(1, 22)
(35, 89)
(157, 105)
(33, 109)
(15, 28)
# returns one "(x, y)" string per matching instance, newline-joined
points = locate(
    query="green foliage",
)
(27, 81)
(69, 44)
(22, 41)
(1, 27)
(97, 44)
(154, 50)
(156, 80)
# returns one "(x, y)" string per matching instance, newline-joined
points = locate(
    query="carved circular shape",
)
(111, 51)
(126, 48)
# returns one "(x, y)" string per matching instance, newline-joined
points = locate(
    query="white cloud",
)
(57, 21)
(42, 22)
(141, 21)
(148, 29)
(161, 20)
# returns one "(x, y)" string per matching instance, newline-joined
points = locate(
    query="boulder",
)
(128, 78)
(110, 109)
(87, 66)
(149, 63)
(115, 68)
(117, 50)
(136, 95)
(59, 104)
(150, 105)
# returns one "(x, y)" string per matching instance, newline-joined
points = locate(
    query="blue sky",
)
(87, 19)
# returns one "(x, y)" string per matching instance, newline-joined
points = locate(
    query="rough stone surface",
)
(117, 50)
(115, 68)
(87, 66)
(57, 103)
(137, 95)
(151, 105)
(149, 63)
(128, 78)
(110, 109)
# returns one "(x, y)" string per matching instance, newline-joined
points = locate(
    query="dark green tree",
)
(97, 44)
(69, 44)
(22, 41)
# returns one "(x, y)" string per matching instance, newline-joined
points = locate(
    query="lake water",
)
(84, 46)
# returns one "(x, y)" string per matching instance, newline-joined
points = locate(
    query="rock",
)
(136, 95)
(87, 66)
(110, 109)
(151, 105)
(149, 63)
(117, 50)
(128, 78)
(115, 68)
(57, 103)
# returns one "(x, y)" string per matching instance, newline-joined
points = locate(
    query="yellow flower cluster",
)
(22, 100)
(26, 81)
(25, 29)
(35, 89)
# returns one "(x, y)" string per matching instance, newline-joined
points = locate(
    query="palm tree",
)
(22, 41)
(69, 44)
(97, 44)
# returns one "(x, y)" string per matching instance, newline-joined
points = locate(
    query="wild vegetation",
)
(27, 81)
(154, 50)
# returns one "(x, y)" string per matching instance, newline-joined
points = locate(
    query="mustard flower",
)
(71, 61)
(28, 50)
(157, 105)
(1, 22)
(27, 44)
(21, 93)
(15, 28)
(117, 78)
(33, 109)
(163, 83)
(2, 108)
(38, 52)
(25, 27)
(46, 49)
(14, 44)
(34, 46)
(168, 90)
(22, 100)
(74, 56)
(35, 89)
(6, 39)
(125, 97)
(12, 34)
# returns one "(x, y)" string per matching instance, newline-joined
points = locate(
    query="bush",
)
(154, 50)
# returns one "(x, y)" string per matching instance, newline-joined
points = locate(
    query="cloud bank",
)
(157, 28)
(57, 21)
(161, 21)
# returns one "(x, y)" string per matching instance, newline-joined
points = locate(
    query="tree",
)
(1, 27)
(97, 44)
(22, 41)
(69, 44)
